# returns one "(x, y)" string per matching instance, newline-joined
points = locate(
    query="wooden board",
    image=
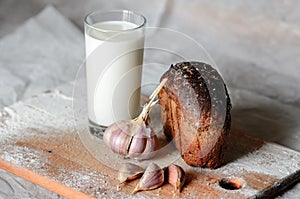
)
(40, 142)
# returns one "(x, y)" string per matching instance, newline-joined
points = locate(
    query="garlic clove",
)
(151, 179)
(138, 143)
(151, 146)
(175, 176)
(120, 139)
(108, 133)
(129, 171)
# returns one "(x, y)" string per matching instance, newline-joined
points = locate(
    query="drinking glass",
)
(114, 42)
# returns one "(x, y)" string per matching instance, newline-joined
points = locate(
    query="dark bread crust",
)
(195, 110)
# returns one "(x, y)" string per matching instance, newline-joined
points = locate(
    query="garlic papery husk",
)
(134, 138)
(151, 179)
(129, 172)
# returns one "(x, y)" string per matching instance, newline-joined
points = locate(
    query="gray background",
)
(255, 45)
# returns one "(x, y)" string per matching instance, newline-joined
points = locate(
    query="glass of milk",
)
(114, 42)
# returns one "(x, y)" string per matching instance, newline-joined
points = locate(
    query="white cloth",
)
(42, 53)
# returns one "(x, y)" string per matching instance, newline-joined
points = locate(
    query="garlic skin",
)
(134, 138)
(175, 176)
(129, 172)
(151, 179)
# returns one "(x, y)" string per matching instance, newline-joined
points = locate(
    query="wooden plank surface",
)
(43, 142)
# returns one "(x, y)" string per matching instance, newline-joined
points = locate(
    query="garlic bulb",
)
(134, 138)
(131, 140)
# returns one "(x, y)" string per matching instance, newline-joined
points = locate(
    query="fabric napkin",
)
(42, 53)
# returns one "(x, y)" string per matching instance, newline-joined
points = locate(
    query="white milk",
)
(113, 66)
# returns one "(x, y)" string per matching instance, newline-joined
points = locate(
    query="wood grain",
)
(42, 181)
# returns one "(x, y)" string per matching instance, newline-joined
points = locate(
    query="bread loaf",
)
(195, 110)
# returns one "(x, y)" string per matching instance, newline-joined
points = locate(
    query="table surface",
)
(58, 152)
(254, 44)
